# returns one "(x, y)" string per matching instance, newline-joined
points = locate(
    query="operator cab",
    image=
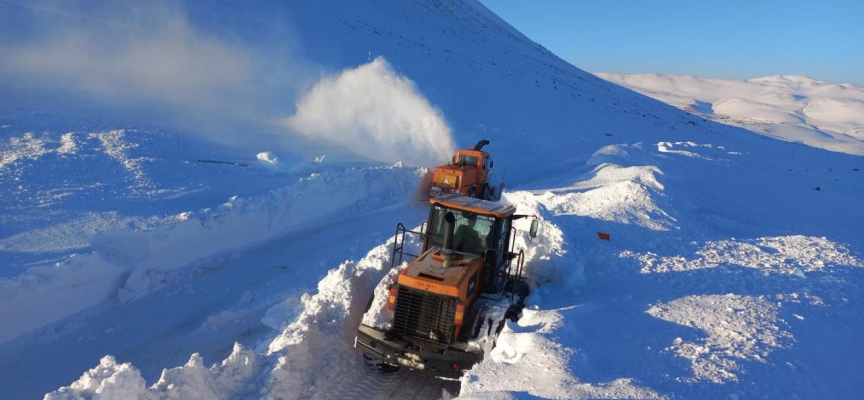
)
(481, 229)
(473, 233)
(466, 159)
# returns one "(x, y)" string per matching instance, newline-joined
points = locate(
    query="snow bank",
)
(379, 315)
(229, 379)
(616, 190)
(313, 354)
(531, 358)
(126, 264)
(315, 351)
(108, 380)
(70, 235)
(550, 258)
(193, 381)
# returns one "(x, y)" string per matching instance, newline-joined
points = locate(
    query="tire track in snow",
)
(363, 383)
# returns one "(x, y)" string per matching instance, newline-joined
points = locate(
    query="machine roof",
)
(479, 206)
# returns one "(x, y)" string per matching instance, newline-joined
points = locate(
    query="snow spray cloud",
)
(171, 62)
(375, 113)
(127, 53)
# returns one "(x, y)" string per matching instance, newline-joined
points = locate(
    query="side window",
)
(436, 228)
(504, 236)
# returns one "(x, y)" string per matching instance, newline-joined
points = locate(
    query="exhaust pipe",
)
(448, 253)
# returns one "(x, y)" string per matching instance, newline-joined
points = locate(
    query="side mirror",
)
(533, 232)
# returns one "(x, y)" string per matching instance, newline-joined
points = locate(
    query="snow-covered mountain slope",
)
(733, 270)
(794, 108)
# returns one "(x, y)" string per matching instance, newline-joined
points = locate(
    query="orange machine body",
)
(466, 174)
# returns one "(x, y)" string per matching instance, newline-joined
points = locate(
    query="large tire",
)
(378, 365)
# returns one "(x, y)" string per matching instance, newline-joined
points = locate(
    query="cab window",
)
(471, 231)
(468, 160)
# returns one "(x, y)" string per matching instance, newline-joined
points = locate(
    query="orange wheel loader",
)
(452, 300)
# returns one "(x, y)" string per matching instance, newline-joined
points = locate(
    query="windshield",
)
(471, 231)
(468, 160)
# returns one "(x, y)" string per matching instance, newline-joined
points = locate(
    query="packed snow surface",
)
(221, 237)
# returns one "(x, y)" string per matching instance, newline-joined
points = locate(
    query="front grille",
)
(423, 315)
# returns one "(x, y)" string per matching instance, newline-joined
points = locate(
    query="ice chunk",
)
(268, 158)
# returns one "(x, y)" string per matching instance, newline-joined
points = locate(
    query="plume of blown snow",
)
(375, 113)
(157, 55)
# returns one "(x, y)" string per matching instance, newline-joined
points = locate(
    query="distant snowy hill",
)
(199, 199)
(793, 108)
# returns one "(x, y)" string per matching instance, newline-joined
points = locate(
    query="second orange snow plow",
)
(468, 173)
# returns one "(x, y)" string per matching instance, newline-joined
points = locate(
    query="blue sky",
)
(734, 39)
